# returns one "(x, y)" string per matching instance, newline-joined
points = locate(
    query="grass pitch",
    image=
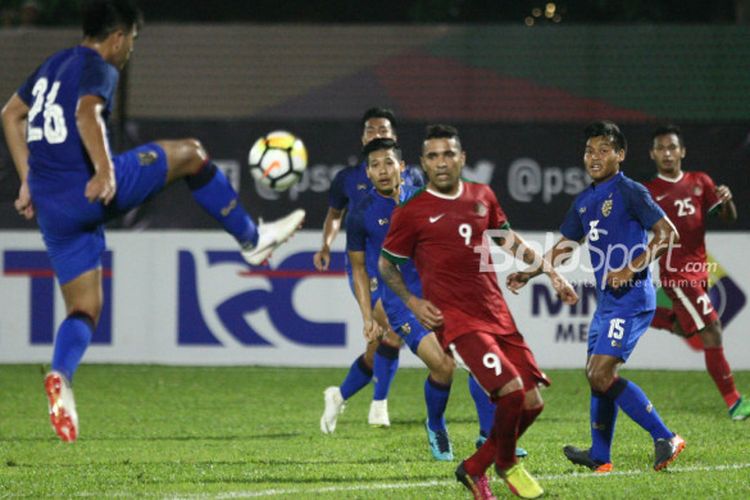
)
(243, 432)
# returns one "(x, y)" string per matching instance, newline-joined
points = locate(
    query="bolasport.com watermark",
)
(503, 255)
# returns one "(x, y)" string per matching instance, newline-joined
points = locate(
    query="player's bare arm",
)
(728, 210)
(331, 227)
(14, 116)
(371, 329)
(425, 311)
(515, 245)
(665, 235)
(91, 126)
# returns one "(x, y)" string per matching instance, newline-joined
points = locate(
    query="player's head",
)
(384, 164)
(668, 150)
(443, 158)
(113, 24)
(378, 123)
(605, 150)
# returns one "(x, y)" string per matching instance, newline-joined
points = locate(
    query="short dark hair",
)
(607, 129)
(440, 131)
(665, 130)
(380, 113)
(381, 144)
(102, 17)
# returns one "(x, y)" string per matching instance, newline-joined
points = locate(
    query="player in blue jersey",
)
(55, 127)
(367, 225)
(614, 216)
(380, 359)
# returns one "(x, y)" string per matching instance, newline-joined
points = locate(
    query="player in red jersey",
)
(688, 198)
(443, 229)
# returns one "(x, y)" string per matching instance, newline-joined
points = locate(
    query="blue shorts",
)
(615, 333)
(376, 286)
(72, 227)
(404, 323)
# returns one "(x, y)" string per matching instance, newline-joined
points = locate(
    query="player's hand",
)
(426, 312)
(619, 278)
(724, 194)
(372, 330)
(516, 281)
(564, 289)
(23, 204)
(101, 187)
(322, 259)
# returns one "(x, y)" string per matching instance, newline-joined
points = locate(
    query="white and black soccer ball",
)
(278, 160)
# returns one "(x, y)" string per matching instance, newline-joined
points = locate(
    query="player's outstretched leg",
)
(271, 235)
(62, 406)
(436, 398)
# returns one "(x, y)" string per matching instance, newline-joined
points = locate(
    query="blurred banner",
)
(535, 168)
(188, 298)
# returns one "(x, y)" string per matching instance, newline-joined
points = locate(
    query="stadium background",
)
(519, 86)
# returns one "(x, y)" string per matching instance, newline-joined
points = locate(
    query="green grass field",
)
(243, 432)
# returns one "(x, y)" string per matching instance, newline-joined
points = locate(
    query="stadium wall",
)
(187, 298)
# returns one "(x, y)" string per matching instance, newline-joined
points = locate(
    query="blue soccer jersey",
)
(368, 225)
(59, 167)
(615, 217)
(52, 94)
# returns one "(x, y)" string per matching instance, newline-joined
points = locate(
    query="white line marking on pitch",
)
(430, 484)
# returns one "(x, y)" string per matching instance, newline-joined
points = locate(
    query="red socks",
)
(718, 368)
(500, 447)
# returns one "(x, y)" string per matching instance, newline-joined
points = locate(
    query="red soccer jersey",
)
(686, 201)
(440, 233)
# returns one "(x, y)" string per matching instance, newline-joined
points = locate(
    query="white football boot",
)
(271, 235)
(378, 416)
(334, 406)
(62, 406)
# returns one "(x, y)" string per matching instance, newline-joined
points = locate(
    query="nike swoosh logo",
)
(659, 198)
(436, 218)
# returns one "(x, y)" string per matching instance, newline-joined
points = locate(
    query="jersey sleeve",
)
(571, 227)
(401, 239)
(640, 204)
(710, 199)
(356, 233)
(98, 78)
(337, 197)
(498, 219)
(24, 91)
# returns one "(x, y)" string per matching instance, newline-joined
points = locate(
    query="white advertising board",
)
(187, 298)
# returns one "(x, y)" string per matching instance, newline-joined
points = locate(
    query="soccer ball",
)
(278, 160)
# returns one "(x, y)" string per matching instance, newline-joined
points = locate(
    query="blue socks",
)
(212, 191)
(485, 407)
(436, 399)
(386, 364)
(636, 405)
(359, 376)
(71, 341)
(603, 417)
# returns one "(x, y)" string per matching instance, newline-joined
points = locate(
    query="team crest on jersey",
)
(361, 186)
(373, 284)
(607, 207)
(697, 190)
(480, 209)
(582, 210)
(146, 158)
(406, 328)
(383, 222)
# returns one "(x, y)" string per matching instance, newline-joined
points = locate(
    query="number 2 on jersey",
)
(54, 128)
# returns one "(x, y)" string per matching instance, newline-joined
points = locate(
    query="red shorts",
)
(495, 360)
(692, 307)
